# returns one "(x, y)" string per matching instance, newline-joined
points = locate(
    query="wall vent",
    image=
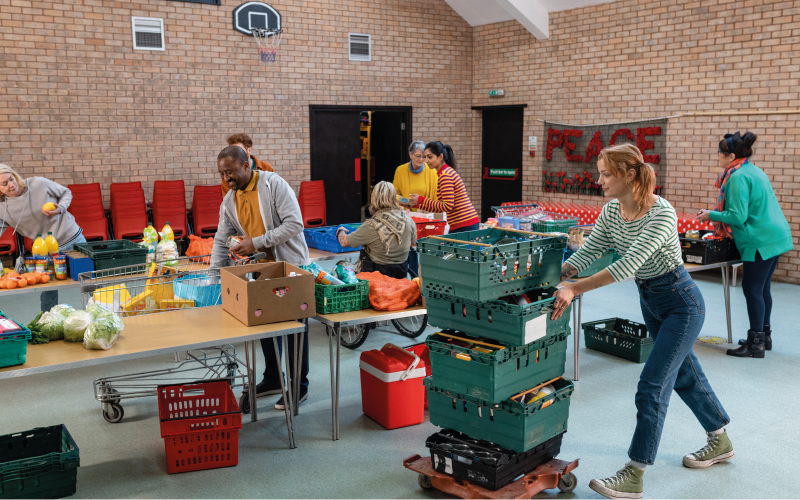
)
(148, 33)
(360, 47)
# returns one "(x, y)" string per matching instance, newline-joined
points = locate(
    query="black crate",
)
(704, 252)
(619, 337)
(484, 463)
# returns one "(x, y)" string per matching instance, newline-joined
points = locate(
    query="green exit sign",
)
(502, 172)
(497, 93)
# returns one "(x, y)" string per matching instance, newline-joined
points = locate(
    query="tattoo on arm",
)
(568, 271)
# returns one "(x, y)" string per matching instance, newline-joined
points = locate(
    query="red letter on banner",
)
(570, 147)
(643, 144)
(554, 140)
(594, 147)
(623, 131)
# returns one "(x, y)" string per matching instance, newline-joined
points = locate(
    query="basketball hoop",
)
(268, 41)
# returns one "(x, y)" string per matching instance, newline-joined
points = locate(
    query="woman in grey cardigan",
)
(22, 211)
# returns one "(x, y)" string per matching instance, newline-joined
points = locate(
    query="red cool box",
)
(391, 386)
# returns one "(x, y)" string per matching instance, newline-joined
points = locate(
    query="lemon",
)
(49, 206)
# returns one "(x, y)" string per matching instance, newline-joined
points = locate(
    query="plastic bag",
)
(116, 318)
(76, 324)
(95, 310)
(390, 294)
(346, 274)
(52, 325)
(167, 252)
(200, 246)
(62, 309)
(102, 333)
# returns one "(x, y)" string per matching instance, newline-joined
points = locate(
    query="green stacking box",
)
(14, 346)
(40, 463)
(506, 323)
(498, 375)
(331, 299)
(487, 273)
(510, 425)
(619, 337)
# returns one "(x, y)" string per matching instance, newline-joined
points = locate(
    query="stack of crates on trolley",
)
(496, 386)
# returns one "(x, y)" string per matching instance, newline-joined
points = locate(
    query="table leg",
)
(726, 288)
(333, 382)
(298, 365)
(285, 391)
(253, 383)
(576, 340)
(338, 365)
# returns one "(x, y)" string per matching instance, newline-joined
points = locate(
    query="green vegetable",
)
(101, 334)
(76, 324)
(115, 318)
(63, 309)
(51, 325)
(95, 310)
(37, 337)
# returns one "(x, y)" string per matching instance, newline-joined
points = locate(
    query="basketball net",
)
(268, 40)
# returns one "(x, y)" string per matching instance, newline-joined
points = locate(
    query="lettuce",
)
(63, 309)
(115, 318)
(75, 325)
(102, 333)
(52, 325)
(95, 310)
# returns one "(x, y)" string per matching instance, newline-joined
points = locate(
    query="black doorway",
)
(336, 153)
(502, 156)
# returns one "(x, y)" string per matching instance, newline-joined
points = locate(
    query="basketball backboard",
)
(255, 15)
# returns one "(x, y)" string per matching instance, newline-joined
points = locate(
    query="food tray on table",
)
(39, 463)
(511, 424)
(702, 252)
(503, 263)
(484, 463)
(114, 253)
(331, 299)
(429, 227)
(13, 345)
(490, 372)
(324, 238)
(619, 337)
(603, 261)
(506, 323)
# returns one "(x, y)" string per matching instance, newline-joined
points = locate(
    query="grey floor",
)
(127, 459)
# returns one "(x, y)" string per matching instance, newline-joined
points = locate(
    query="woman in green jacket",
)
(748, 211)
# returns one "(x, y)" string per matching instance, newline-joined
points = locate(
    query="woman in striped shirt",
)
(643, 229)
(450, 191)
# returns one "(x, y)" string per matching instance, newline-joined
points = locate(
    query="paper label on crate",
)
(448, 465)
(696, 259)
(536, 328)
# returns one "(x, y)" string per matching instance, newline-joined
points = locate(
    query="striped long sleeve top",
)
(649, 246)
(452, 199)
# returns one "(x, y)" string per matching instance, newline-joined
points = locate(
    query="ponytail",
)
(445, 150)
(625, 157)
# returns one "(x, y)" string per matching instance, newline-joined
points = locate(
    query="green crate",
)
(560, 224)
(510, 425)
(603, 261)
(114, 253)
(14, 346)
(331, 299)
(40, 463)
(497, 375)
(487, 273)
(506, 323)
(619, 337)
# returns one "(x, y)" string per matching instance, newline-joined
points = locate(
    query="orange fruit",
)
(49, 206)
(45, 278)
(22, 283)
(11, 284)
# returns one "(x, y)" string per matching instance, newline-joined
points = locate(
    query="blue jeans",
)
(674, 312)
(50, 298)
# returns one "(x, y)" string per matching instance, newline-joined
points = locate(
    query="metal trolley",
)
(158, 287)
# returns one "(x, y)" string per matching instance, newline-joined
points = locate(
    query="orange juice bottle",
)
(39, 246)
(166, 233)
(52, 244)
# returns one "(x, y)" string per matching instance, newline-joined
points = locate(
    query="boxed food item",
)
(141, 303)
(169, 304)
(259, 294)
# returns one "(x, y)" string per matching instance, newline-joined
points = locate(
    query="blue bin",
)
(196, 287)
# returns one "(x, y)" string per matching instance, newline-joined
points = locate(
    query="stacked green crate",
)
(494, 355)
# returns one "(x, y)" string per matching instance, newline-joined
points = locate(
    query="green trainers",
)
(718, 449)
(627, 483)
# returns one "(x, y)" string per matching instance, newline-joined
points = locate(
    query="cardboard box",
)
(273, 296)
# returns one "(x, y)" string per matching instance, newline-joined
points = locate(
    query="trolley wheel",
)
(110, 390)
(567, 483)
(244, 403)
(425, 482)
(353, 336)
(411, 327)
(116, 415)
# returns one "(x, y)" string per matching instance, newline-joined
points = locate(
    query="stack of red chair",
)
(206, 201)
(128, 210)
(312, 203)
(87, 208)
(169, 205)
(8, 241)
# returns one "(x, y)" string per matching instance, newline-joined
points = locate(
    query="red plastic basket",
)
(200, 425)
(429, 227)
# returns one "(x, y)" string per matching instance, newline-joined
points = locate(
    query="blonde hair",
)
(5, 169)
(384, 196)
(625, 157)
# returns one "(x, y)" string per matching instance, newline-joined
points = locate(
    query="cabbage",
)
(52, 325)
(63, 309)
(75, 325)
(102, 333)
(95, 310)
(113, 317)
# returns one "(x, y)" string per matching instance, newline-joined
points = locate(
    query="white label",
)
(536, 328)
(448, 465)
(697, 259)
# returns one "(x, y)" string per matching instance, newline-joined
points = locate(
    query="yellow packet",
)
(141, 304)
(169, 304)
(105, 295)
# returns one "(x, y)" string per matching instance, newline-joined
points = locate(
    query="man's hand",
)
(702, 216)
(564, 298)
(245, 247)
(51, 213)
(341, 235)
(413, 200)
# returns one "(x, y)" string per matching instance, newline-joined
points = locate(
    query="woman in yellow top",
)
(415, 177)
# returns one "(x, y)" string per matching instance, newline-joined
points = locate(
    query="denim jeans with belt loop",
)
(674, 312)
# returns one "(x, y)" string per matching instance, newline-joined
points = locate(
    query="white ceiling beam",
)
(531, 14)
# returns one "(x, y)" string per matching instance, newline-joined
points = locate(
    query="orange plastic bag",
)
(200, 246)
(390, 294)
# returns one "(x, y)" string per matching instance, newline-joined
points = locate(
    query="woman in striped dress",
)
(451, 194)
(643, 229)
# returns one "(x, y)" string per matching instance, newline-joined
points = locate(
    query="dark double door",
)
(502, 154)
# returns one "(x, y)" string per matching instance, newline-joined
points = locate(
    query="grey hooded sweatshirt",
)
(24, 212)
(280, 213)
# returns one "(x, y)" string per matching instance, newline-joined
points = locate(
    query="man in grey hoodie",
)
(262, 208)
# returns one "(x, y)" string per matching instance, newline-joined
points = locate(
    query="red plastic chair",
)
(169, 205)
(312, 203)
(87, 208)
(206, 201)
(8, 242)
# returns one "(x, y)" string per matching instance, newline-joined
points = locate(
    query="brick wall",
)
(80, 105)
(632, 60)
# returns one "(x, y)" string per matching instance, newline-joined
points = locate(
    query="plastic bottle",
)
(39, 246)
(326, 278)
(52, 243)
(166, 233)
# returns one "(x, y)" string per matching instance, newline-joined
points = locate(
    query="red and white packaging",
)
(392, 393)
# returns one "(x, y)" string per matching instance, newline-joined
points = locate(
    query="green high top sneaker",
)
(627, 483)
(718, 449)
